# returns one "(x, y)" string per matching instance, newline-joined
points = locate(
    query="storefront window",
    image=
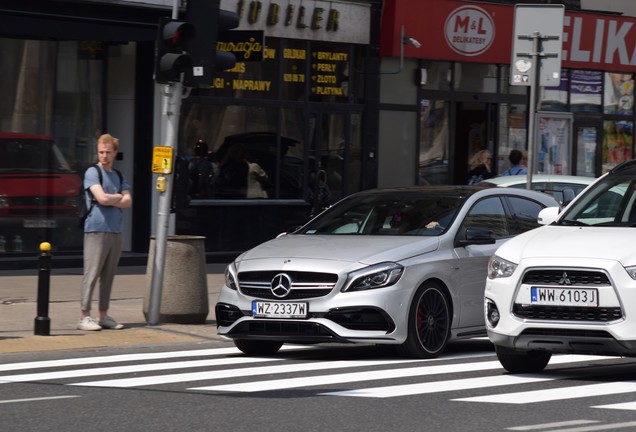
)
(513, 133)
(586, 138)
(475, 77)
(330, 72)
(585, 91)
(618, 142)
(435, 76)
(295, 55)
(52, 103)
(241, 144)
(619, 94)
(555, 98)
(434, 143)
(554, 133)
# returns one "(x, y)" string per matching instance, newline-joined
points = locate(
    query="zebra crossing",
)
(224, 370)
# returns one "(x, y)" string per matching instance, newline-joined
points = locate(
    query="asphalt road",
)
(209, 386)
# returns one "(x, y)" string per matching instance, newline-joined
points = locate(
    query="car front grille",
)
(568, 313)
(304, 285)
(557, 276)
(566, 278)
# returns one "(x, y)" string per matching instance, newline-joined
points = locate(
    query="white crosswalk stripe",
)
(560, 393)
(235, 373)
(371, 376)
(222, 370)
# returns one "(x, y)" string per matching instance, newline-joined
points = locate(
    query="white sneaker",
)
(109, 323)
(88, 324)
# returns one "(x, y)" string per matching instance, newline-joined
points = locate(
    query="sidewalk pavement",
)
(19, 308)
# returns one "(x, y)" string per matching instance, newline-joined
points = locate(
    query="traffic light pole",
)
(183, 54)
(171, 111)
(171, 96)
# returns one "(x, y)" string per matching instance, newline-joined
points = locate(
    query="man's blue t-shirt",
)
(104, 218)
(515, 170)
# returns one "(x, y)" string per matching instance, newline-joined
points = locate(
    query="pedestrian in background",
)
(516, 168)
(480, 167)
(102, 233)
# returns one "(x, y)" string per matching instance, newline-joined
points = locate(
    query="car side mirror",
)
(548, 215)
(477, 236)
(568, 196)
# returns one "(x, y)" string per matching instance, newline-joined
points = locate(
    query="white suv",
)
(569, 287)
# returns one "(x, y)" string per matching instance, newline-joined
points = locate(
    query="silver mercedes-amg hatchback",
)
(402, 266)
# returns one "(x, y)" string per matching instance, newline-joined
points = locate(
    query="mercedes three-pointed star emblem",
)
(281, 285)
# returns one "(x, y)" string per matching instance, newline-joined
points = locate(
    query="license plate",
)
(39, 223)
(279, 309)
(564, 296)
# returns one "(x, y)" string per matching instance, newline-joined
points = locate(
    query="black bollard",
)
(42, 321)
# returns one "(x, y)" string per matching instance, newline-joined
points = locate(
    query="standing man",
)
(102, 233)
(516, 168)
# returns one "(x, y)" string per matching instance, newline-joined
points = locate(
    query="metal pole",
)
(534, 90)
(42, 321)
(171, 110)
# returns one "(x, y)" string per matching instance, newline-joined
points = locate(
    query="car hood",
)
(615, 243)
(346, 248)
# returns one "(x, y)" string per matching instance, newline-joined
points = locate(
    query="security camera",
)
(411, 41)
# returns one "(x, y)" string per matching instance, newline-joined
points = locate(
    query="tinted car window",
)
(489, 214)
(398, 214)
(524, 214)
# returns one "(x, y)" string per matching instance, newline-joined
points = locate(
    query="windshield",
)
(609, 202)
(32, 156)
(419, 214)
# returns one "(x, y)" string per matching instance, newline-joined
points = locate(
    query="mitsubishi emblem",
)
(565, 280)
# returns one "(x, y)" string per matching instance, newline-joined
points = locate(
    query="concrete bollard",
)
(184, 294)
(42, 321)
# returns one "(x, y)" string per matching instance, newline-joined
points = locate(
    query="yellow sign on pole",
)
(162, 160)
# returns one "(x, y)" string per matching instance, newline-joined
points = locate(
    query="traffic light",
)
(209, 22)
(171, 58)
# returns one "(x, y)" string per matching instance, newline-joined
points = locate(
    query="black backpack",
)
(82, 209)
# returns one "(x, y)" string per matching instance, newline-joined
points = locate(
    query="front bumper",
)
(376, 316)
(608, 329)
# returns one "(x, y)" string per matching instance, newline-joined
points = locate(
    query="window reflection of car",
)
(369, 270)
(562, 187)
(38, 190)
(568, 287)
(274, 158)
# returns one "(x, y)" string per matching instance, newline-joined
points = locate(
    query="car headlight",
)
(376, 276)
(631, 271)
(500, 268)
(231, 281)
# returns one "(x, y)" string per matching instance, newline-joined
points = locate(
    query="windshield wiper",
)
(573, 222)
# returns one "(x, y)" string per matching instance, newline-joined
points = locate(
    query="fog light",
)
(492, 314)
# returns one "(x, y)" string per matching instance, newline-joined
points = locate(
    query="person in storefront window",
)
(257, 179)
(202, 172)
(516, 167)
(233, 172)
(480, 167)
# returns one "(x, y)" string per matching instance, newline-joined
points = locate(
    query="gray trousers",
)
(101, 256)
